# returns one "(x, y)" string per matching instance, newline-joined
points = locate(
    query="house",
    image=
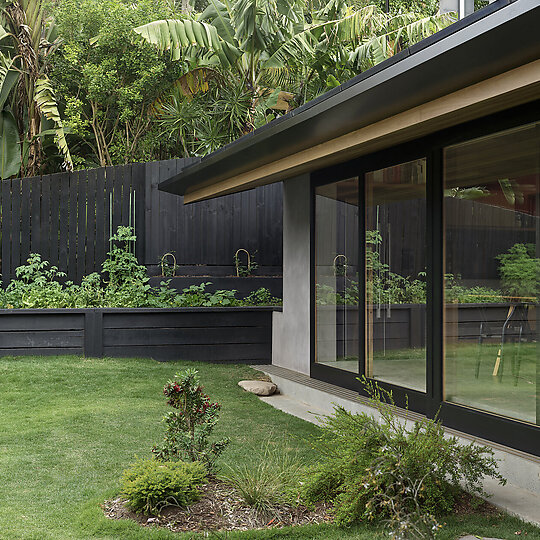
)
(404, 189)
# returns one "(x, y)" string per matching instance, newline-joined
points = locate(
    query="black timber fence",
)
(238, 335)
(67, 218)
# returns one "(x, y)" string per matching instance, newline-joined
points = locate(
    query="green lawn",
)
(69, 426)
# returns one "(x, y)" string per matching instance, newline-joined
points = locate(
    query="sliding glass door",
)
(336, 275)
(492, 233)
(395, 270)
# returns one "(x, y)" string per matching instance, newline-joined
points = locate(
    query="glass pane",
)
(492, 271)
(395, 272)
(336, 274)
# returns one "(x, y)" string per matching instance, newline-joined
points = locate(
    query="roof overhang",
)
(486, 63)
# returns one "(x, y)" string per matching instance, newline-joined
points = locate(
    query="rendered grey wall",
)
(291, 328)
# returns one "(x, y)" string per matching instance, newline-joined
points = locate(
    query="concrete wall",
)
(291, 328)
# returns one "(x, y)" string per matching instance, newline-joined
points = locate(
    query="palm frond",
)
(175, 35)
(46, 103)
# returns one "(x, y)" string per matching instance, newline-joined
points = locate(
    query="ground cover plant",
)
(123, 282)
(70, 426)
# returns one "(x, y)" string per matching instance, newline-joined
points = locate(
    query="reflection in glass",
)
(492, 266)
(336, 271)
(395, 271)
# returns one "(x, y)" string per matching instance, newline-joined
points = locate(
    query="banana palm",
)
(280, 39)
(27, 99)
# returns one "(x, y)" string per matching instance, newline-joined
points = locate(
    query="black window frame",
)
(508, 432)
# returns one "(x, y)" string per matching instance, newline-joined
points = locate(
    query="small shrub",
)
(122, 266)
(274, 479)
(190, 425)
(261, 297)
(382, 469)
(149, 485)
(520, 271)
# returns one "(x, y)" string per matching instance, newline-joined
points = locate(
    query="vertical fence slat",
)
(101, 224)
(152, 212)
(91, 184)
(167, 203)
(6, 231)
(109, 195)
(72, 245)
(117, 197)
(45, 217)
(35, 232)
(138, 189)
(126, 185)
(54, 237)
(81, 224)
(15, 223)
(64, 222)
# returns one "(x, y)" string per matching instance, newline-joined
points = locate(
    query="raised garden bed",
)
(239, 334)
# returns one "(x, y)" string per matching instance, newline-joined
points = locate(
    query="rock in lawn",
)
(261, 388)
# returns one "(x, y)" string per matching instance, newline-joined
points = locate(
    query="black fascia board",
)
(489, 42)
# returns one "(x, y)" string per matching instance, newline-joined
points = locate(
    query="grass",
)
(69, 426)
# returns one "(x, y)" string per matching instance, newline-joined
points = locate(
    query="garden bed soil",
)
(222, 509)
(219, 509)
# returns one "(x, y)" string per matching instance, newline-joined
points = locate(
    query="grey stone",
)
(261, 388)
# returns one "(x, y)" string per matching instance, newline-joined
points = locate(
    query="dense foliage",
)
(107, 96)
(189, 426)
(123, 283)
(149, 485)
(405, 473)
(109, 80)
(84, 84)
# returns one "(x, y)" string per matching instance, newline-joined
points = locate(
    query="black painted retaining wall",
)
(238, 335)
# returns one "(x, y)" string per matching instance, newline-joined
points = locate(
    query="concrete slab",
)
(310, 402)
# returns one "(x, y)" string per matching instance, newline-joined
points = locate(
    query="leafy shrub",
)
(126, 285)
(520, 271)
(382, 469)
(261, 297)
(274, 479)
(454, 292)
(149, 485)
(122, 266)
(197, 296)
(190, 425)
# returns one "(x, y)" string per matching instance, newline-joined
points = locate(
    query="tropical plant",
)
(274, 41)
(29, 109)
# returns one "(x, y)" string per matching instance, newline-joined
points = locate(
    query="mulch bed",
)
(219, 509)
(466, 504)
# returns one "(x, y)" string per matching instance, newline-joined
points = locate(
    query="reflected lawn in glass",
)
(511, 394)
(402, 367)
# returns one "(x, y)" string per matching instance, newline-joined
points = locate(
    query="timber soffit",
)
(495, 39)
